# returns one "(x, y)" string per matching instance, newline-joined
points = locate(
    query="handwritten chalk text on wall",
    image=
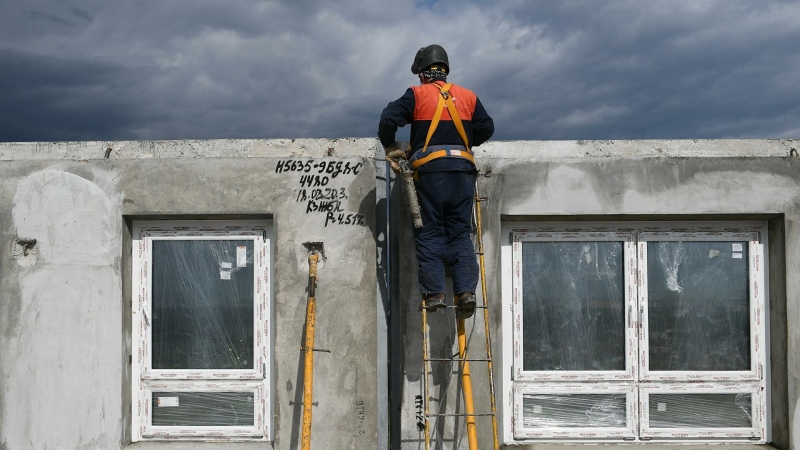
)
(317, 188)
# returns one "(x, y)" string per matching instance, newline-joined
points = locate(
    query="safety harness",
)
(445, 99)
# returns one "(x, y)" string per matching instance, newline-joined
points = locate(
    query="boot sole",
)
(465, 311)
(433, 306)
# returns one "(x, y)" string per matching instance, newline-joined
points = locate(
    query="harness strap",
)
(451, 108)
(440, 154)
(445, 99)
(437, 115)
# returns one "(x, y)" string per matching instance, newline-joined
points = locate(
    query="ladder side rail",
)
(425, 362)
(482, 264)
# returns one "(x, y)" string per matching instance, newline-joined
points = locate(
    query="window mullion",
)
(631, 307)
(642, 310)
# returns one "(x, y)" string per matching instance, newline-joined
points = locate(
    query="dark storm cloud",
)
(663, 70)
(544, 70)
(82, 14)
(48, 98)
(51, 18)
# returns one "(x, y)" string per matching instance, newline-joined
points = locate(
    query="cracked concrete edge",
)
(188, 149)
(369, 147)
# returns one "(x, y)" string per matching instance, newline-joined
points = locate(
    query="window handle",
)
(630, 316)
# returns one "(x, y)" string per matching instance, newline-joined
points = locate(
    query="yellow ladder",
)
(463, 359)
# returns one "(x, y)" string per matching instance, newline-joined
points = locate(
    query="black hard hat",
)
(432, 54)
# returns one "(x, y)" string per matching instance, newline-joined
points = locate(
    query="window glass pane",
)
(701, 411)
(203, 409)
(698, 306)
(202, 304)
(573, 410)
(573, 306)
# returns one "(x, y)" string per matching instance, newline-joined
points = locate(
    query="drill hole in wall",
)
(25, 252)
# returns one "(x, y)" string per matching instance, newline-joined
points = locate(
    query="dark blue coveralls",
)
(445, 188)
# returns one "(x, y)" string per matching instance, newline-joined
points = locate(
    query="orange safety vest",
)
(423, 109)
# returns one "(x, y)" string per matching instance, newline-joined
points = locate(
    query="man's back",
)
(446, 120)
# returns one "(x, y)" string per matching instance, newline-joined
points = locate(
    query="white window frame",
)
(575, 433)
(146, 380)
(513, 381)
(756, 293)
(626, 237)
(257, 388)
(756, 432)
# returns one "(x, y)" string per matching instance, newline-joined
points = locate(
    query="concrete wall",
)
(65, 316)
(605, 181)
(65, 312)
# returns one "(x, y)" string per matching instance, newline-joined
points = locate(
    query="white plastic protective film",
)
(698, 306)
(574, 410)
(701, 410)
(573, 314)
(203, 304)
(203, 409)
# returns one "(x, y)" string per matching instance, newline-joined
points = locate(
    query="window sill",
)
(643, 445)
(187, 445)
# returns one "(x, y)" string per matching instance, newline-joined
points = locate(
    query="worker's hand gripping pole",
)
(411, 192)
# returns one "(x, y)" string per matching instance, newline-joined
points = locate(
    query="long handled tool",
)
(311, 323)
(466, 386)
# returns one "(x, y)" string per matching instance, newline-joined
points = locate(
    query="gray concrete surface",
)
(64, 308)
(611, 181)
(65, 319)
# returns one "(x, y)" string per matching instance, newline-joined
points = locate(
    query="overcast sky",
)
(628, 69)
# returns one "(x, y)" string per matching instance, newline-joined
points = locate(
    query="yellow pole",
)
(482, 264)
(308, 375)
(466, 386)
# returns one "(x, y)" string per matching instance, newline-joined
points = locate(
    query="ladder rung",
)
(460, 415)
(478, 253)
(457, 359)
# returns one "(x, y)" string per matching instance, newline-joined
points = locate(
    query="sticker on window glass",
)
(227, 265)
(167, 401)
(737, 247)
(662, 406)
(713, 253)
(537, 409)
(224, 275)
(737, 256)
(241, 256)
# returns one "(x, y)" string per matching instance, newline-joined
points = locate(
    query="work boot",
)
(434, 302)
(465, 305)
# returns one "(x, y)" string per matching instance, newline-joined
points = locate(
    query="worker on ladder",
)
(447, 121)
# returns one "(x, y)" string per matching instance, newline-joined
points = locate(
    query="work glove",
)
(394, 155)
